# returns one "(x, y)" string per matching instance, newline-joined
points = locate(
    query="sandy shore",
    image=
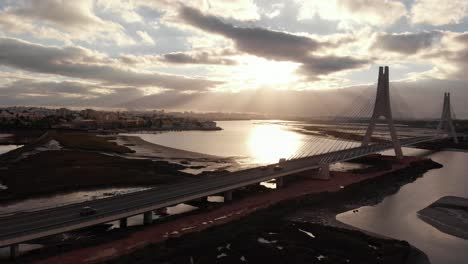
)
(146, 149)
(195, 162)
(89, 162)
(449, 214)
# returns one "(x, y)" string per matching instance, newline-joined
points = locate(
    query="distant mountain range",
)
(422, 99)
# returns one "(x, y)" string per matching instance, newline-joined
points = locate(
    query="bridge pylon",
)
(382, 108)
(446, 121)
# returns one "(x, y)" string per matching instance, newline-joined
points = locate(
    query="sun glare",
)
(270, 142)
(260, 72)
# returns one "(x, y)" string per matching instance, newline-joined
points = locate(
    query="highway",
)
(24, 227)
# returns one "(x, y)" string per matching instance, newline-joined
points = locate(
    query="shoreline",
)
(147, 149)
(277, 202)
(87, 160)
(155, 164)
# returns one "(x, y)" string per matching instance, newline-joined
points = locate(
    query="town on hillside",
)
(94, 120)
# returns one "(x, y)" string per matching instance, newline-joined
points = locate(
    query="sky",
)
(297, 57)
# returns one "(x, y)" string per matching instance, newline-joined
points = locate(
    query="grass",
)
(87, 141)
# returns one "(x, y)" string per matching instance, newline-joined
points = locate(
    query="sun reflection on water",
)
(268, 143)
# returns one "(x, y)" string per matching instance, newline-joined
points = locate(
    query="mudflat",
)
(449, 214)
(59, 162)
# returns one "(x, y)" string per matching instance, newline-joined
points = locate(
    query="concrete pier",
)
(201, 199)
(14, 251)
(228, 196)
(161, 211)
(382, 108)
(324, 172)
(279, 182)
(123, 223)
(321, 173)
(148, 218)
(446, 121)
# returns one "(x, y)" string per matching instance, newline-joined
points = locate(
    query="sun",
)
(260, 73)
(268, 143)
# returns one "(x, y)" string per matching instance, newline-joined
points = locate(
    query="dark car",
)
(277, 168)
(85, 211)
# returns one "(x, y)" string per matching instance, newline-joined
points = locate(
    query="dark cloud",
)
(262, 42)
(274, 45)
(128, 59)
(77, 63)
(462, 38)
(26, 86)
(453, 61)
(196, 58)
(407, 43)
(323, 65)
(41, 93)
(63, 13)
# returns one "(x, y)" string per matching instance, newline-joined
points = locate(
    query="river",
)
(250, 142)
(263, 142)
(396, 215)
(6, 148)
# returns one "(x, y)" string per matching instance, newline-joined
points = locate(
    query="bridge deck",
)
(24, 227)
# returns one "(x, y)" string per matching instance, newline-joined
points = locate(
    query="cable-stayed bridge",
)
(348, 138)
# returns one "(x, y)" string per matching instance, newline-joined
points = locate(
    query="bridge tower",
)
(382, 108)
(446, 121)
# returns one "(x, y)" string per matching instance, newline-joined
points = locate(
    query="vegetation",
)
(87, 141)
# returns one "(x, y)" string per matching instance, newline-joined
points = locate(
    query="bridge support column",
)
(123, 223)
(161, 211)
(324, 172)
(279, 182)
(148, 218)
(446, 121)
(227, 196)
(201, 199)
(382, 108)
(14, 251)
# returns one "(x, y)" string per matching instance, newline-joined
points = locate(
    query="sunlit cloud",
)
(439, 13)
(145, 37)
(360, 11)
(215, 55)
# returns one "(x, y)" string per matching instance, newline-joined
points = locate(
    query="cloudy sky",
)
(236, 55)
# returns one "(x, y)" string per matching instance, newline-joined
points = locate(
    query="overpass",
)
(21, 228)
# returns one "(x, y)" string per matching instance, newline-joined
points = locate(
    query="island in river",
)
(449, 214)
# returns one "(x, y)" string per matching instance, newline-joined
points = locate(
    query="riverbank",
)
(60, 162)
(449, 214)
(142, 148)
(262, 215)
(284, 231)
(446, 143)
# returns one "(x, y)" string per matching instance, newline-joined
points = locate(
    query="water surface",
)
(6, 148)
(396, 215)
(257, 142)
